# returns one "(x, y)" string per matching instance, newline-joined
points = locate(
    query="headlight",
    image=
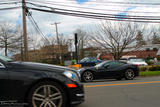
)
(72, 75)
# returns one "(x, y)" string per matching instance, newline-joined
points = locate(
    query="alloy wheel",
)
(88, 76)
(47, 96)
(129, 74)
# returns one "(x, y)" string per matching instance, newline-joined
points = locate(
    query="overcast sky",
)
(69, 24)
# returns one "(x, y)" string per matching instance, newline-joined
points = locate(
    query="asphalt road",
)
(141, 92)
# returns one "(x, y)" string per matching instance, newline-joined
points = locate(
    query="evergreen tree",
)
(139, 39)
(155, 39)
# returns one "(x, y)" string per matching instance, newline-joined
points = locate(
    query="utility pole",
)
(56, 23)
(25, 30)
(58, 42)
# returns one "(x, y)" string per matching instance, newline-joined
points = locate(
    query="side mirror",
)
(1, 65)
(106, 66)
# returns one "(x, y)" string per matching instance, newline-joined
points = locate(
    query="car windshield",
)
(6, 59)
(101, 64)
(84, 60)
(136, 60)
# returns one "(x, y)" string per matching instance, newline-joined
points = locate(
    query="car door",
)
(4, 83)
(111, 69)
(19, 78)
(102, 71)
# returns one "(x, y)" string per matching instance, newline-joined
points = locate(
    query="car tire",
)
(49, 94)
(87, 76)
(129, 74)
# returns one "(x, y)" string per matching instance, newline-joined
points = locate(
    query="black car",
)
(109, 69)
(38, 85)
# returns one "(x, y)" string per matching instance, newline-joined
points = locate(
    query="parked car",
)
(89, 61)
(38, 85)
(137, 61)
(109, 69)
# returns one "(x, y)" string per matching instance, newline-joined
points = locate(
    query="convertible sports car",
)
(38, 85)
(109, 69)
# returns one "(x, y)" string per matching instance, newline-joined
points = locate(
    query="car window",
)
(6, 59)
(102, 64)
(85, 60)
(107, 63)
(114, 64)
(93, 60)
(136, 60)
(89, 60)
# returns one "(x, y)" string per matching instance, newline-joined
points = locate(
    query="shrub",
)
(154, 68)
(143, 68)
(149, 62)
(155, 49)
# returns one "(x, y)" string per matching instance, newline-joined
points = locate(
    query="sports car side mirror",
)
(106, 66)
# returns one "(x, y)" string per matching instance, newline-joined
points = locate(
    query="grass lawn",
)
(150, 73)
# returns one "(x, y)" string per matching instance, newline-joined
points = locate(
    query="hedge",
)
(150, 68)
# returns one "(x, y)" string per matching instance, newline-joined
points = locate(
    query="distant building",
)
(142, 52)
(92, 51)
(45, 53)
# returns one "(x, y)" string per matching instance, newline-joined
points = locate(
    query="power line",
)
(93, 16)
(124, 4)
(10, 1)
(34, 23)
(102, 14)
(4, 3)
(10, 8)
(88, 8)
(138, 3)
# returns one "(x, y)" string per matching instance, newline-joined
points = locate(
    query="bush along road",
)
(153, 70)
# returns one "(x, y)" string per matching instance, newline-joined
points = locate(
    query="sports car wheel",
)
(129, 74)
(87, 76)
(47, 94)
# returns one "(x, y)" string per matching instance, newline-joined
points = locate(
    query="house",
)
(142, 52)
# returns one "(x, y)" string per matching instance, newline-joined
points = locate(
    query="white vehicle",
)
(137, 61)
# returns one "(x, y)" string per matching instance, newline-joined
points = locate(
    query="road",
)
(141, 92)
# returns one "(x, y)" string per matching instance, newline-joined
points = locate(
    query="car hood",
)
(39, 66)
(86, 68)
(89, 68)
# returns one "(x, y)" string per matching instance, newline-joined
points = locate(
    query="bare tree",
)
(9, 38)
(116, 38)
(63, 46)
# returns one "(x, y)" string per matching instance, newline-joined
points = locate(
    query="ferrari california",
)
(109, 69)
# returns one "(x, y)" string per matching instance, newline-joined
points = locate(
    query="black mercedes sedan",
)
(109, 69)
(38, 85)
